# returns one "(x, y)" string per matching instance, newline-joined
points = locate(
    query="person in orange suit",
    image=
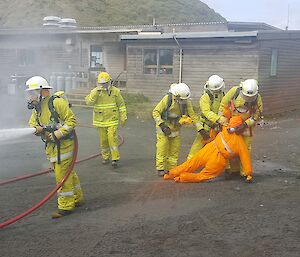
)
(213, 156)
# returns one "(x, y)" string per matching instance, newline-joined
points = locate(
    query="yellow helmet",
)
(103, 77)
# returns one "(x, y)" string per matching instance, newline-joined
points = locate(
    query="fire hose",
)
(58, 186)
(48, 170)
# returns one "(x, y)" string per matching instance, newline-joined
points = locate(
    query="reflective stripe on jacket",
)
(109, 106)
(67, 120)
(174, 114)
(209, 109)
(230, 145)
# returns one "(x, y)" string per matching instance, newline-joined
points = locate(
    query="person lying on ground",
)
(214, 156)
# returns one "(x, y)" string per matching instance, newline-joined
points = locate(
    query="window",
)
(158, 61)
(25, 57)
(96, 58)
(165, 61)
(274, 60)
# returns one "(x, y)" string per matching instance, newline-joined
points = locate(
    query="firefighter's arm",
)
(244, 156)
(206, 109)
(122, 108)
(92, 97)
(259, 110)
(194, 116)
(158, 110)
(226, 99)
(66, 115)
(251, 121)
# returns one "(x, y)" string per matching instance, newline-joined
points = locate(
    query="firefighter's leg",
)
(77, 189)
(66, 196)
(105, 152)
(196, 146)
(213, 168)
(248, 142)
(112, 134)
(162, 146)
(173, 152)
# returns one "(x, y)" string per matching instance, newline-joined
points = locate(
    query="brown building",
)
(147, 59)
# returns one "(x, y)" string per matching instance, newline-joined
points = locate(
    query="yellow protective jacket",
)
(174, 114)
(109, 106)
(238, 106)
(209, 109)
(67, 124)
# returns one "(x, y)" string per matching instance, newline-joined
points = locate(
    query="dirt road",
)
(129, 211)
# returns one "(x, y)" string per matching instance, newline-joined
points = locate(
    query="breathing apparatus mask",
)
(33, 98)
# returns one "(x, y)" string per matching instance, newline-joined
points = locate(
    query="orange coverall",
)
(214, 157)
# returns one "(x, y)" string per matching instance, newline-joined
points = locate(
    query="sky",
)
(273, 12)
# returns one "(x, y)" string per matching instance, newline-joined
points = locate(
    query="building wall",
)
(232, 61)
(46, 54)
(153, 86)
(281, 92)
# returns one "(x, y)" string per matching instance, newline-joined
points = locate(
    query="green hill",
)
(29, 13)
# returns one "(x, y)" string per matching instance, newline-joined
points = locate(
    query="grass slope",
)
(29, 13)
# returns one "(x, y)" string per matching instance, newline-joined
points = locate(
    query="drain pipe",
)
(180, 58)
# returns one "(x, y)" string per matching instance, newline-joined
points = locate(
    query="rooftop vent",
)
(67, 23)
(51, 21)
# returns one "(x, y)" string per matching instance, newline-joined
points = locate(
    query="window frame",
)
(25, 57)
(93, 49)
(158, 65)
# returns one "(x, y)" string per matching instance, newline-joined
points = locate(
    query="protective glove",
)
(223, 121)
(205, 136)
(38, 130)
(165, 129)
(57, 133)
(185, 120)
(250, 122)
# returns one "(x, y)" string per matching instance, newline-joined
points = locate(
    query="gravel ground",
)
(129, 211)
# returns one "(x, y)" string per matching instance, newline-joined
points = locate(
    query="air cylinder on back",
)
(60, 83)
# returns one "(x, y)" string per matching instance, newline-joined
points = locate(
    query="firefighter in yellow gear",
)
(245, 101)
(53, 112)
(209, 106)
(109, 112)
(173, 109)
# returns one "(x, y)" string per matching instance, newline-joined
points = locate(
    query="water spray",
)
(15, 133)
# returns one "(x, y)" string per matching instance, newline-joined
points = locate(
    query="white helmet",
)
(37, 82)
(215, 83)
(250, 87)
(181, 90)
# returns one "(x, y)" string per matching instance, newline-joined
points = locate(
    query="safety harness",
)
(206, 121)
(251, 106)
(54, 121)
(165, 113)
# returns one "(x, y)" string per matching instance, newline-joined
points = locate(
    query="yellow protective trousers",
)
(167, 151)
(109, 143)
(70, 193)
